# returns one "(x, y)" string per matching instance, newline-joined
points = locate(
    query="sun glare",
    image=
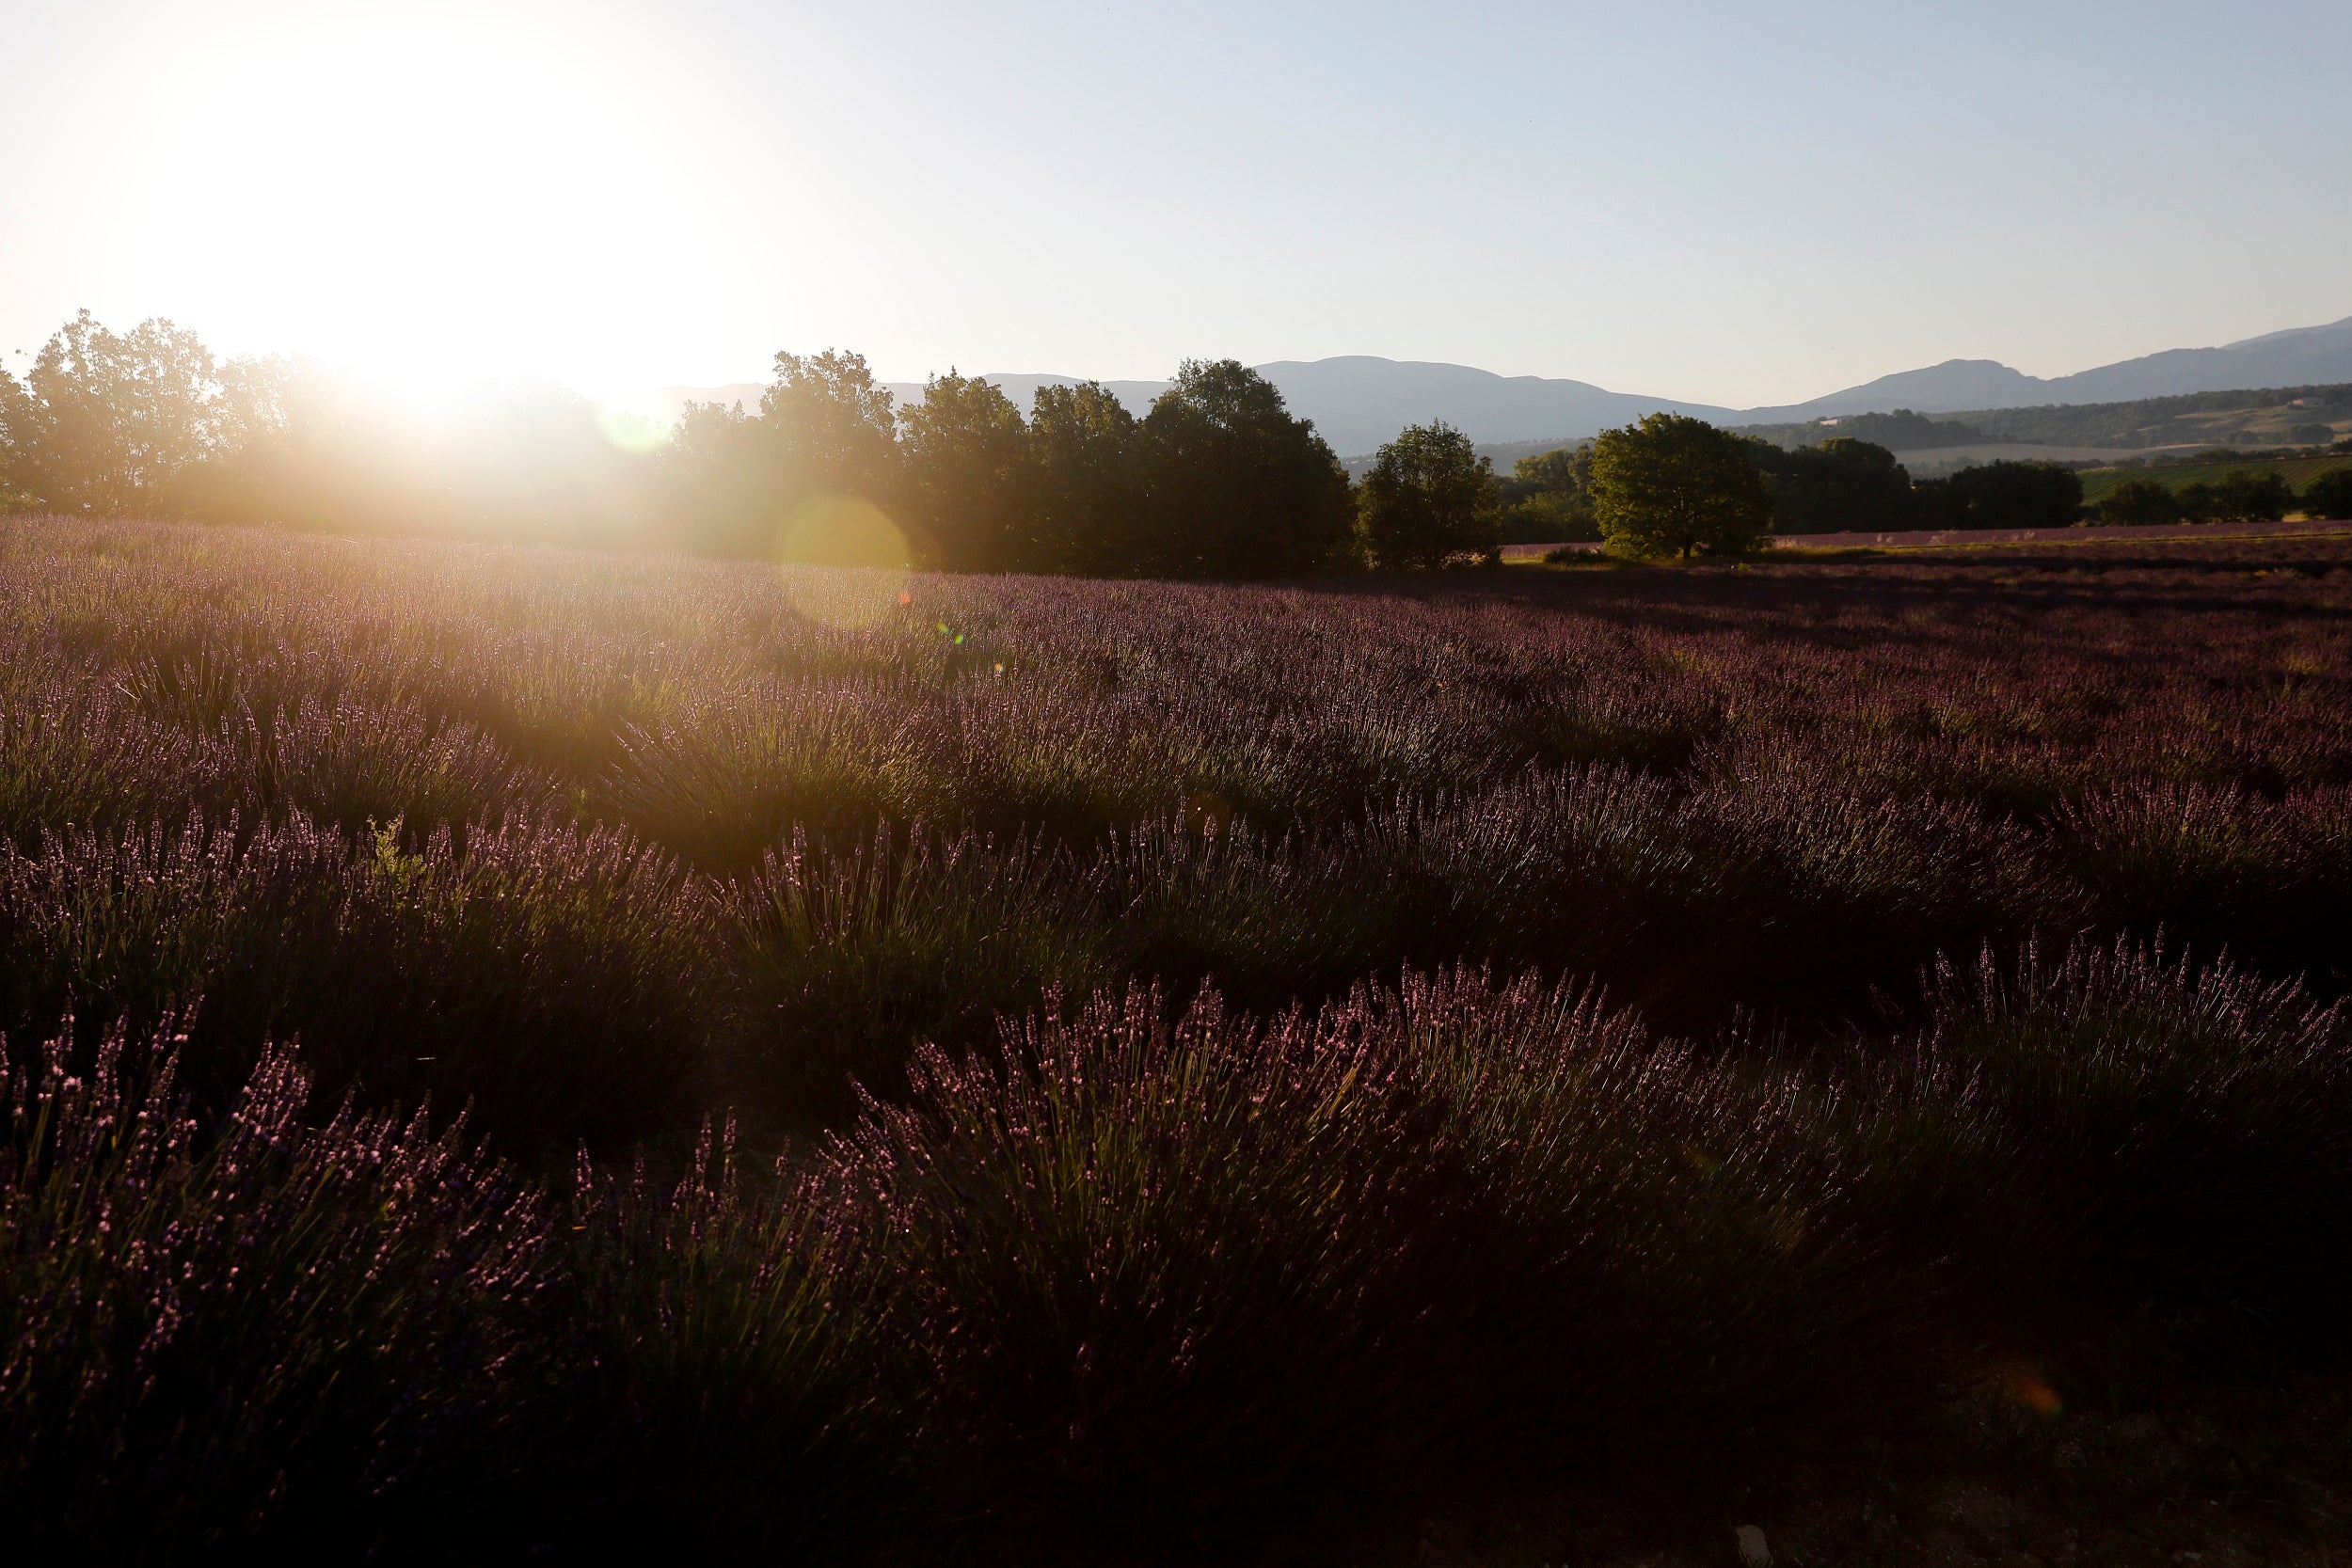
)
(428, 199)
(835, 531)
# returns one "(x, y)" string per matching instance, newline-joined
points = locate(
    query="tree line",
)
(1217, 479)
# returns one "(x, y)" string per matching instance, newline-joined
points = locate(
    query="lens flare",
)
(844, 562)
(630, 432)
(1208, 814)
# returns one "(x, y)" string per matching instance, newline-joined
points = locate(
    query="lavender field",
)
(612, 1057)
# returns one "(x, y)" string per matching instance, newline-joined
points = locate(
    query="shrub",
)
(2191, 1127)
(2139, 503)
(737, 1395)
(2329, 494)
(1172, 1283)
(558, 981)
(2215, 868)
(243, 1335)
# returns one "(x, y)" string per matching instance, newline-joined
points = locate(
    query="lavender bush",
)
(1211, 1059)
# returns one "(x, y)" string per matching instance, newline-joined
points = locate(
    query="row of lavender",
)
(598, 847)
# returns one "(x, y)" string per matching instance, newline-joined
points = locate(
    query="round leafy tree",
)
(1674, 485)
(2329, 494)
(1428, 498)
(2139, 502)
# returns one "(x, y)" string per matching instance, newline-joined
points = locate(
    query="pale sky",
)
(1736, 204)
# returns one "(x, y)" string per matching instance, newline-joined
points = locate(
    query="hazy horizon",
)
(1725, 208)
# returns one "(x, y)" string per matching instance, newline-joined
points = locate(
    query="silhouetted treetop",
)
(1234, 485)
(1429, 498)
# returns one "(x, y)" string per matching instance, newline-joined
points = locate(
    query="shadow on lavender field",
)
(1124, 1071)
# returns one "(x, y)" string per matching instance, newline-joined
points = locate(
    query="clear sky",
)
(1730, 203)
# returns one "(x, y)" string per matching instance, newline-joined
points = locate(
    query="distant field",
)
(1934, 462)
(2298, 471)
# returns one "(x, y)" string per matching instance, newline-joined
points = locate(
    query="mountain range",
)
(1358, 401)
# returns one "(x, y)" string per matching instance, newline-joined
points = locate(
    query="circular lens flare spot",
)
(1208, 814)
(843, 560)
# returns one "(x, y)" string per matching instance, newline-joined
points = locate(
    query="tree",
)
(1840, 485)
(1429, 498)
(2140, 503)
(971, 478)
(1082, 439)
(2245, 495)
(833, 426)
(1548, 498)
(825, 431)
(1235, 486)
(725, 480)
(2329, 494)
(2002, 495)
(1672, 485)
(104, 421)
(15, 426)
(2198, 502)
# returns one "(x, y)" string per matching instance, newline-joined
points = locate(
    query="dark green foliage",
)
(1429, 499)
(1089, 498)
(1672, 486)
(2001, 494)
(1548, 497)
(1234, 487)
(831, 425)
(2245, 495)
(2329, 494)
(2139, 503)
(968, 462)
(1843, 486)
(1900, 431)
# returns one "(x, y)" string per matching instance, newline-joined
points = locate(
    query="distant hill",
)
(2273, 416)
(1358, 401)
(2299, 356)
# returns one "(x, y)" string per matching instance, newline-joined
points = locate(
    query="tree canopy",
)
(2139, 502)
(2247, 494)
(1675, 485)
(2002, 495)
(107, 422)
(1429, 499)
(1840, 485)
(966, 452)
(1233, 484)
(1548, 498)
(2329, 494)
(1089, 496)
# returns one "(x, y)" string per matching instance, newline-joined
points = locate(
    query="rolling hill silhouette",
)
(1359, 400)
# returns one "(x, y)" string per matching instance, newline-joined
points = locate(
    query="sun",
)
(427, 196)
